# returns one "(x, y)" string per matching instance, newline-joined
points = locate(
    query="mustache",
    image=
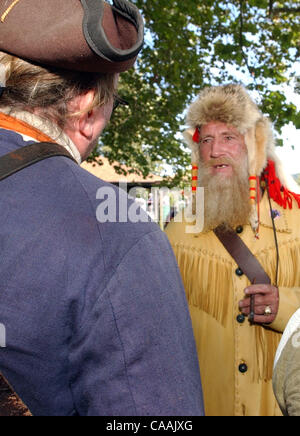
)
(219, 161)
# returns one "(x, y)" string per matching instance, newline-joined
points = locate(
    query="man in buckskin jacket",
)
(245, 186)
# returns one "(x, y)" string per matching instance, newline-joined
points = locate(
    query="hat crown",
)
(232, 105)
(229, 104)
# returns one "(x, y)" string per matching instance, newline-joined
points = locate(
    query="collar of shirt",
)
(47, 127)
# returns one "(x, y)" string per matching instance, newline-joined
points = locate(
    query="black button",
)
(239, 272)
(239, 229)
(243, 368)
(241, 318)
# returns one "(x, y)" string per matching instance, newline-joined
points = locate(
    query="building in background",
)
(146, 191)
(108, 173)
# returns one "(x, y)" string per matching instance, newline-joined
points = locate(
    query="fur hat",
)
(85, 35)
(231, 104)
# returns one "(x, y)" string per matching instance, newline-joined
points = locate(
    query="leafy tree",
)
(297, 86)
(190, 44)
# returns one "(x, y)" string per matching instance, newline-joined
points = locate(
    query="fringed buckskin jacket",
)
(236, 358)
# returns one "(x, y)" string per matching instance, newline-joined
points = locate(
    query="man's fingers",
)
(258, 310)
(259, 301)
(264, 319)
(264, 307)
(259, 315)
(260, 289)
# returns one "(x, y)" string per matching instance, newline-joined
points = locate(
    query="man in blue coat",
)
(93, 312)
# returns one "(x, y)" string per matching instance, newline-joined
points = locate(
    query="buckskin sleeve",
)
(289, 302)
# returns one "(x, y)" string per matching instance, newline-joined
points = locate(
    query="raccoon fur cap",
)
(231, 104)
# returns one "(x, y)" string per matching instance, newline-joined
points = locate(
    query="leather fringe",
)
(206, 275)
(289, 271)
(207, 294)
(266, 342)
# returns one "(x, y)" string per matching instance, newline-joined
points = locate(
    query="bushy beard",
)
(226, 199)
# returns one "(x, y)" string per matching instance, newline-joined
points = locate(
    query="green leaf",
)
(194, 44)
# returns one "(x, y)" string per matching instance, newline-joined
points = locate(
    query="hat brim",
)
(89, 35)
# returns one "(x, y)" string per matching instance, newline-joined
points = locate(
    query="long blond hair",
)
(29, 87)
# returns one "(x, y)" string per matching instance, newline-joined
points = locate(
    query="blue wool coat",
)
(94, 314)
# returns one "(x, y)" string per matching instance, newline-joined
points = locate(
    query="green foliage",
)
(297, 85)
(191, 44)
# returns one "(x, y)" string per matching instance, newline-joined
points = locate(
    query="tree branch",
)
(241, 41)
(271, 3)
(285, 10)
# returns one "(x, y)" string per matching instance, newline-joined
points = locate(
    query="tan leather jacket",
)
(236, 358)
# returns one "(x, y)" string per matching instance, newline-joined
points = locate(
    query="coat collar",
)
(33, 127)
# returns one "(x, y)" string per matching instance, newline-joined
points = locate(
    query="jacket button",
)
(243, 368)
(240, 318)
(239, 272)
(239, 229)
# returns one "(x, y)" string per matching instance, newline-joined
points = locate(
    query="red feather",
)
(279, 193)
(196, 137)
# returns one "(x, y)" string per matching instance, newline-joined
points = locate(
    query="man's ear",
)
(86, 118)
(80, 126)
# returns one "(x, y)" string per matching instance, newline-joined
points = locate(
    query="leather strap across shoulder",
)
(29, 155)
(245, 259)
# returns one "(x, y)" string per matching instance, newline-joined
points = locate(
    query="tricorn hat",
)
(80, 35)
